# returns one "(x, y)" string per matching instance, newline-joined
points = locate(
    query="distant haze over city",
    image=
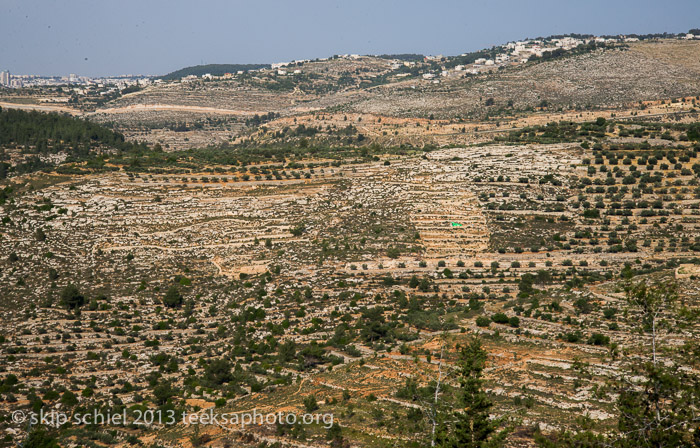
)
(51, 38)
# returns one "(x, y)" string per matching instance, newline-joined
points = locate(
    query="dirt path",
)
(173, 107)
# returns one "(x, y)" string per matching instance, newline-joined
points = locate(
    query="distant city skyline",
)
(88, 38)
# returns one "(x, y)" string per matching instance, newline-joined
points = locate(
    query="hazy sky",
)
(100, 37)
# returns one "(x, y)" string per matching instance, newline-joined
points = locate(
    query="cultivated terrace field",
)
(338, 257)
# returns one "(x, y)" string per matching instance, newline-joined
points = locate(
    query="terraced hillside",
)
(347, 284)
(330, 239)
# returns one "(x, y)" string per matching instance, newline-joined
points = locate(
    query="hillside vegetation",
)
(42, 130)
(28, 139)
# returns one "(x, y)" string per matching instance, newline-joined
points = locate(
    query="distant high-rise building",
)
(5, 78)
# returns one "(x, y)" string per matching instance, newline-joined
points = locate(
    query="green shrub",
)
(500, 318)
(483, 321)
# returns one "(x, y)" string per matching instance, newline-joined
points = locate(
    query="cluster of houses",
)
(515, 53)
(82, 82)
(280, 68)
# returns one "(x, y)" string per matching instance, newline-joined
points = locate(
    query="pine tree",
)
(659, 411)
(474, 428)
